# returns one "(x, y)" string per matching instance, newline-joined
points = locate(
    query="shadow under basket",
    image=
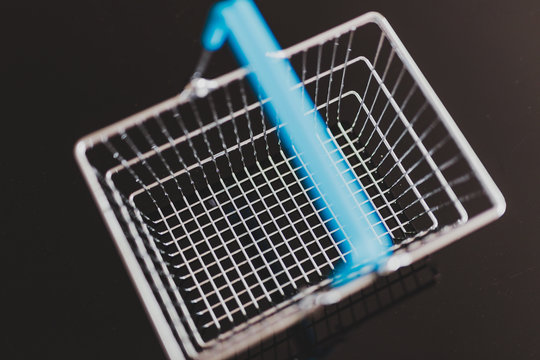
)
(216, 222)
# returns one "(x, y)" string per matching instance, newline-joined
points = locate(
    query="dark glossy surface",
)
(70, 68)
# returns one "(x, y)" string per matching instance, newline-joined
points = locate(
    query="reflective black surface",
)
(72, 67)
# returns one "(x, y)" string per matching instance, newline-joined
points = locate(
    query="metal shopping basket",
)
(213, 217)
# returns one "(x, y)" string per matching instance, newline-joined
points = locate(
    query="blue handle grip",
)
(240, 23)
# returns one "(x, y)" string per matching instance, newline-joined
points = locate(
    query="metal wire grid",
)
(315, 336)
(221, 216)
(301, 249)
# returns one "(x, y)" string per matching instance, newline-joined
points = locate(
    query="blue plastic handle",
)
(241, 24)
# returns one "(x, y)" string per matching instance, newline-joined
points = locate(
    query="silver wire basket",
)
(214, 219)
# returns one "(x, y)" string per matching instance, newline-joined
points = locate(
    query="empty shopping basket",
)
(216, 220)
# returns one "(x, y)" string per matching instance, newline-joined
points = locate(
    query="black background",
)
(69, 68)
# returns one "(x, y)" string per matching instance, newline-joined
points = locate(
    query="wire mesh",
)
(317, 335)
(221, 218)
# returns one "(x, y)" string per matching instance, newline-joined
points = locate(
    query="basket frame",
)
(306, 303)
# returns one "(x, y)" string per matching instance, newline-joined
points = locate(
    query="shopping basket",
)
(214, 219)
